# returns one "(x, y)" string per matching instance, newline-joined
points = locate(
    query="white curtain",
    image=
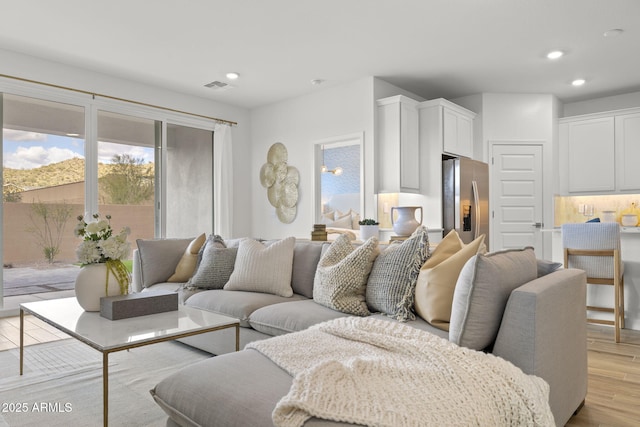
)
(223, 181)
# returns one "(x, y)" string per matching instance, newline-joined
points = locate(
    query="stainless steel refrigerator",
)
(465, 195)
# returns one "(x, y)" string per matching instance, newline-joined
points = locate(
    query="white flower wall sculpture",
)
(281, 182)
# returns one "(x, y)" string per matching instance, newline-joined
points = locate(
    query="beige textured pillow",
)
(436, 283)
(260, 268)
(187, 264)
(341, 276)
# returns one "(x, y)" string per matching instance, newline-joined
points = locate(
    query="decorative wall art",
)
(281, 182)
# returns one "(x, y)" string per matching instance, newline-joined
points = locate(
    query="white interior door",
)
(516, 201)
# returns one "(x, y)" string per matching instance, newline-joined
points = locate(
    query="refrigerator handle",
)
(476, 203)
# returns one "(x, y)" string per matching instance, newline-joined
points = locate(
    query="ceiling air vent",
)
(218, 85)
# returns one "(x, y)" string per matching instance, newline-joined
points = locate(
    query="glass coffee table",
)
(108, 336)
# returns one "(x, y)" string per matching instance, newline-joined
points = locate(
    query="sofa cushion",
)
(391, 284)
(247, 387)
(159, 257)
(293, 316)
(215, 268)
(341, 277)
(305, 260)
(187, 264)
(482, 291)
(437, 281)
(237, 304)
(260, 268)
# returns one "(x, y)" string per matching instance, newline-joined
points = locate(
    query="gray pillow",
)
(482, 291)
(215, 268)
(392, 282)
(212, 239)
(545, 267)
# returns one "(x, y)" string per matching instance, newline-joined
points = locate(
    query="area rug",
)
(62, 384)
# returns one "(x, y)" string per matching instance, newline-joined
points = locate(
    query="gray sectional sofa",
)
(542, 331)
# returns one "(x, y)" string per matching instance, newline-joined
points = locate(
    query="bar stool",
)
(595, 248)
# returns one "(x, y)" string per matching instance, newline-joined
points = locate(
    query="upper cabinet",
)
(628, 151)
(599, 152)
(452, 126)
(398, 145)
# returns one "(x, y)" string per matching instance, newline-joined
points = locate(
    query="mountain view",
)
(65, 172)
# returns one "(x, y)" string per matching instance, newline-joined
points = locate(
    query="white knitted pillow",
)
(260, 268)
(341, 276)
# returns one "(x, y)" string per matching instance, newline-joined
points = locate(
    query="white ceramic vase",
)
(367, 231)
(91, 286)
(406, 223)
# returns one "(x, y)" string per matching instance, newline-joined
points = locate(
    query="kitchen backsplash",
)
(568, 208)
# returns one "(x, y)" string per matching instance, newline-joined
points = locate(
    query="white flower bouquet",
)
(101, 245)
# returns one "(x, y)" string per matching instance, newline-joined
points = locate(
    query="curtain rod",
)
(115, 98)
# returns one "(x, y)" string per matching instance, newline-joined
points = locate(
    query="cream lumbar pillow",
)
(437, 281)
(260, 268)
(341, 276)
(187, 264)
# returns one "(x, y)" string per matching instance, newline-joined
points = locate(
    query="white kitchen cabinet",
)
(627, 129)
(454, 124)
(589, 147)
(398, 159)
(599, 152)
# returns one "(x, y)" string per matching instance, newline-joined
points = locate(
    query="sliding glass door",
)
(43, 171)
(127, 172)
(66, 155)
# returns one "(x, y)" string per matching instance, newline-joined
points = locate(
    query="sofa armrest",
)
(544, 332)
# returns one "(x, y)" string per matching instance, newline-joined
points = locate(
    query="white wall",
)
(298, 123)
(597, 105)
(28, 67)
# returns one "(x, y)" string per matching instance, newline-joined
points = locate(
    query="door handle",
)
(538, 225)
(476, 202)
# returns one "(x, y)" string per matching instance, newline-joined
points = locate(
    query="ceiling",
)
(433, 48)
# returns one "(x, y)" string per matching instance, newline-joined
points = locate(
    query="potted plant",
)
(368, 228)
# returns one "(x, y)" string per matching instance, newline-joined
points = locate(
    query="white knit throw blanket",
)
(382, 373)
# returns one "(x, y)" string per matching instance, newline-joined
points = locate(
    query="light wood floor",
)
(613, 397)
(613, 394)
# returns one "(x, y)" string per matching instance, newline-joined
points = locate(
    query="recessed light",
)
(317, 82)
(555, 54)
(232, 76)
(578, 82)
(613, 32)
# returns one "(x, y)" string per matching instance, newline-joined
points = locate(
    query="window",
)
(65, 155)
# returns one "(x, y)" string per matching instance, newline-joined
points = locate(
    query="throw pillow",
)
(187, 264)
(260, 268)
(341, 276)
(344, 222)
(482, 291)
(545, 267)
(391, 284)
(437, 281)
(449, 245)
(215, 268)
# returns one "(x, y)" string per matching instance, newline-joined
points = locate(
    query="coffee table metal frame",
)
(42, 310)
